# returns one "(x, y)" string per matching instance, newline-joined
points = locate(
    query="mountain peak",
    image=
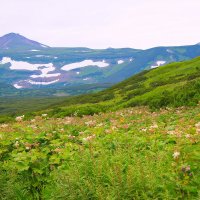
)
(18, 42)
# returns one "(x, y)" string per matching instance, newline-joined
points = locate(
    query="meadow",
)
(132, 153)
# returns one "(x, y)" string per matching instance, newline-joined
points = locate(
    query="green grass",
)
(127, 154)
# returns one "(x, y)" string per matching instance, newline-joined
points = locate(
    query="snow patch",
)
(42, 83)
(84, 63)
(131, 59)
(34, 50)
(42, 45)
(21, 65)
(45, 75)
(158, 64)
(86, 79)
(120, 62)
(17, 86)
(40, 56)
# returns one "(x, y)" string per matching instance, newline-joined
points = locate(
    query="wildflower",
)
(108, 131)
(176, 154)
(28, 146)
(89, 138)
(19, 118)
(71, 137)
(90, 123)
(4, 125)
(171, 132)
(197, 125)
(62, 130)
(33, 126)
(113, 128)
(57, 150)
(154, 126)
(16, 144)
(99, 125)
(144, 129)
(126, 126)
(33, 120)
(186, 168)
(190, 174)
(44, 115)
(188, 136)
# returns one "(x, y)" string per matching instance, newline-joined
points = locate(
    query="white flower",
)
(16, 144)
(187, 136)
(176, 154)
(89, 138)
(154, 126)
(4, 125)
(19, 118)
(44, 115)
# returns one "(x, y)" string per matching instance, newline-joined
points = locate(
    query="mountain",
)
(26, 64)
(16, 41)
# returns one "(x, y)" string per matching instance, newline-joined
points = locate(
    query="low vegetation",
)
(128, 154)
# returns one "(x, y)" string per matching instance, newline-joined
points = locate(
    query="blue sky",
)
(103, 23)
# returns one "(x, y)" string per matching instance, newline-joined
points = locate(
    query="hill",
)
(175, 84)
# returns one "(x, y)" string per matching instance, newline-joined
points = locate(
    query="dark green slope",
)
(175, 84)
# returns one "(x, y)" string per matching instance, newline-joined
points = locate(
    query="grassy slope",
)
(175, 84)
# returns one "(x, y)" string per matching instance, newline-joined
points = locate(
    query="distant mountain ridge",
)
(29, 64)
(16, 41)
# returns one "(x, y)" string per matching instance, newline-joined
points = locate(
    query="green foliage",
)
(128, 154)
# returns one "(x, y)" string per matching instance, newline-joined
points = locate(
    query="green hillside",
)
(175, 84)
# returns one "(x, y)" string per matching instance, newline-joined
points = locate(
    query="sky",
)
(139, 24)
